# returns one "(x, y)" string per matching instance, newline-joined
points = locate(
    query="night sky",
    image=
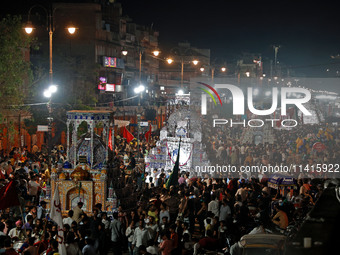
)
(307, 31)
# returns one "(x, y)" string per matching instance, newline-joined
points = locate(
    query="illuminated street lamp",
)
(156, 53)
(29, 27)
(51, 90)
(124, 52)
(139, 89)
(180, 92)
(71, 29)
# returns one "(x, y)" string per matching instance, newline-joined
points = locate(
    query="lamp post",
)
(52, 88)
(138, 90)
(48, 94)
(182, 55)
(138, 127)
(50, 28)
(212, 68)
(140, 54)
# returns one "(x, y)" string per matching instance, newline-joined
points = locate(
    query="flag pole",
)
(173, 178)
(79, 191)
(23, 220)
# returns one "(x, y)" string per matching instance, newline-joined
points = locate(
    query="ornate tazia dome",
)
(81, 173)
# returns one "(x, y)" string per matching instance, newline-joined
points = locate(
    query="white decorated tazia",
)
(183, 124)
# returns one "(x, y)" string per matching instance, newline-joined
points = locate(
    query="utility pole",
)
(182, 71)
(276, 50)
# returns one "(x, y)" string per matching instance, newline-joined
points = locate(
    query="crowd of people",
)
(196, 216)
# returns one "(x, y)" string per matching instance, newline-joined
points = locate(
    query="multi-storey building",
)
(89, 65)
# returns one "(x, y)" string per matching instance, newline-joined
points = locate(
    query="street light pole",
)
(182, 71)
(50, 32)
(48, 93)
(140, 66)
(49, 138)
(138, 127)
(29, 28)
(212, 69)
(212, 74)
(170, 61)
(52, 89)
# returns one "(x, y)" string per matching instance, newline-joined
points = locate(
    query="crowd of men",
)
(195, 216)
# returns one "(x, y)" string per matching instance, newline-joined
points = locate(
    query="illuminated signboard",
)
(103, 86)
(102, 82)
(110, 87)
(113, 62)
(110, 62)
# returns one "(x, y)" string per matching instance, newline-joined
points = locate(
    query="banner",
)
(57, 218)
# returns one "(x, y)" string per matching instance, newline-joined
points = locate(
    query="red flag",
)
(148, 134)
(110, 140)
(2, 176)
(8, 196)
(126, 134)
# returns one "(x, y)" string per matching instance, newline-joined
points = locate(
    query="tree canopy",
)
(15, 71)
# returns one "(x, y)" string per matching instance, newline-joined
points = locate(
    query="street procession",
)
(124, 131)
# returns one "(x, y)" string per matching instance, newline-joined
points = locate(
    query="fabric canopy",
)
(121, 123)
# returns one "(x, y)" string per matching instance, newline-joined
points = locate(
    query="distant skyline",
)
(307, 31)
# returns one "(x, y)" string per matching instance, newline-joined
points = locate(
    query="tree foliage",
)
(15, 71)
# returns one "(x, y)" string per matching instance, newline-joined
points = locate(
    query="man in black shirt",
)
(132, 163)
